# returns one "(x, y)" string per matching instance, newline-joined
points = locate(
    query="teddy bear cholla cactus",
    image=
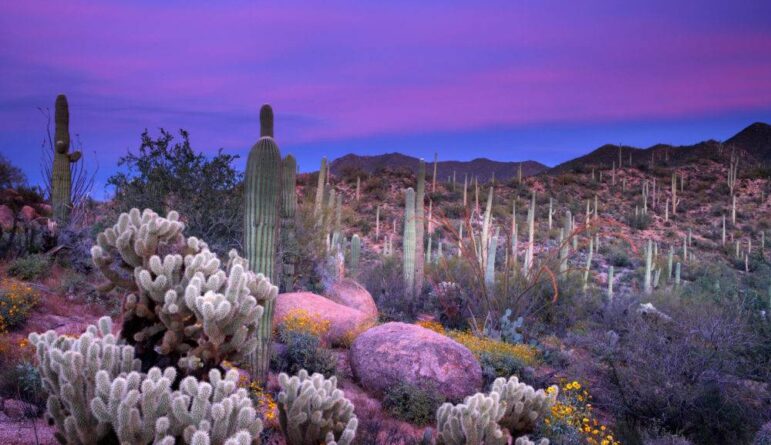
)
(523, 405)
(473, 422)
(68, 368)
(143, 409)
(97, 395)
(312, 410)
(182, 304)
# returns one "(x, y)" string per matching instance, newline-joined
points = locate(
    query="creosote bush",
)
(412, 403)
(29, 267)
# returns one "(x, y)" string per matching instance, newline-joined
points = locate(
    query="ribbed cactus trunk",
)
(262, 190)
(61, 173)
(408, 243)
(289, 247)
(355, 254)
(648, 267)
(420, 228)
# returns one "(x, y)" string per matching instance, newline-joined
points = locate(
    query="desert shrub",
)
(76, 254)
(639, 221)
(685, 373)
(304, 351)
(763, 436)
(11, 176)
(499, 365)
(301, 321)
(169, 174)
(16, 301)
(29, 267)
(618, 257)
(412, 403)
(384, 280)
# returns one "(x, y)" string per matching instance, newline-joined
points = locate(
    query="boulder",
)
(399, 352)
(6, 217)
(350, 293)
(28, 214)
(344, 322)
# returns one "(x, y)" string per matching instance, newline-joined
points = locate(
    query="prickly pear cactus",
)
(473, 422)
(312, 411)
(184, 305)
(61, 173)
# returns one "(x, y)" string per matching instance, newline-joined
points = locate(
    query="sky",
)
(508, 80)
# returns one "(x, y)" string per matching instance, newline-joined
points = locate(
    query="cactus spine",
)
(261, 207)
(408, 247)
(289, 247)
(420, 228)
(61, 173)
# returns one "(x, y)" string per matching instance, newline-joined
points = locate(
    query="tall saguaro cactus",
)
(261, 221)
(61, 173)
(408, 247)
(289, 247)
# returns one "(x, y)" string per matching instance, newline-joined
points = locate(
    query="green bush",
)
(304, 351)
(412, 403)
(500, 365)
(29, 267)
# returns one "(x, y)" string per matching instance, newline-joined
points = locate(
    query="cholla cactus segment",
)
(524, 440)
(68, 368)
(183, 305)
(312, 410)
(473, 422)
(522, 404)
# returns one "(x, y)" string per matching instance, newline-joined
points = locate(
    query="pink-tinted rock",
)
(398, 352)
(6, 217)
(344, 322)
(352, 294)
(28, 214)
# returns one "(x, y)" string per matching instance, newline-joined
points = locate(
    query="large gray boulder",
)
(399, 352)
(344, 322)
(350, 293)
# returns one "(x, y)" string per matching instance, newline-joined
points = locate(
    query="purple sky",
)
(508, 80)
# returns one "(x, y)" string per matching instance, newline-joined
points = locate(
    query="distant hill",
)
(481, 167)
(755, 141)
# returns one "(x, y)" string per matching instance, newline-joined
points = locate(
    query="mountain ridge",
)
(754, 140)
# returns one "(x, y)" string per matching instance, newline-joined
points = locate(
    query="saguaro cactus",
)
(289, 247)
(319, 202)
(261, 210)
(408, 246)
(61, 173)
(355, 253)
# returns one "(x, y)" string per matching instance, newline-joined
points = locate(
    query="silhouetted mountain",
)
(754, 141)
(481, 167)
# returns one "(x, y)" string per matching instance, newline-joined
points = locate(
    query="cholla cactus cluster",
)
(473, 422)
(485, 418)
(68, 368)
(97, 393)
(143, 409)
(524, 406)
(312, 410)
(183, 305)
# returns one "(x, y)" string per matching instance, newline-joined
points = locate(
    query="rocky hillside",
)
(482, 168)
